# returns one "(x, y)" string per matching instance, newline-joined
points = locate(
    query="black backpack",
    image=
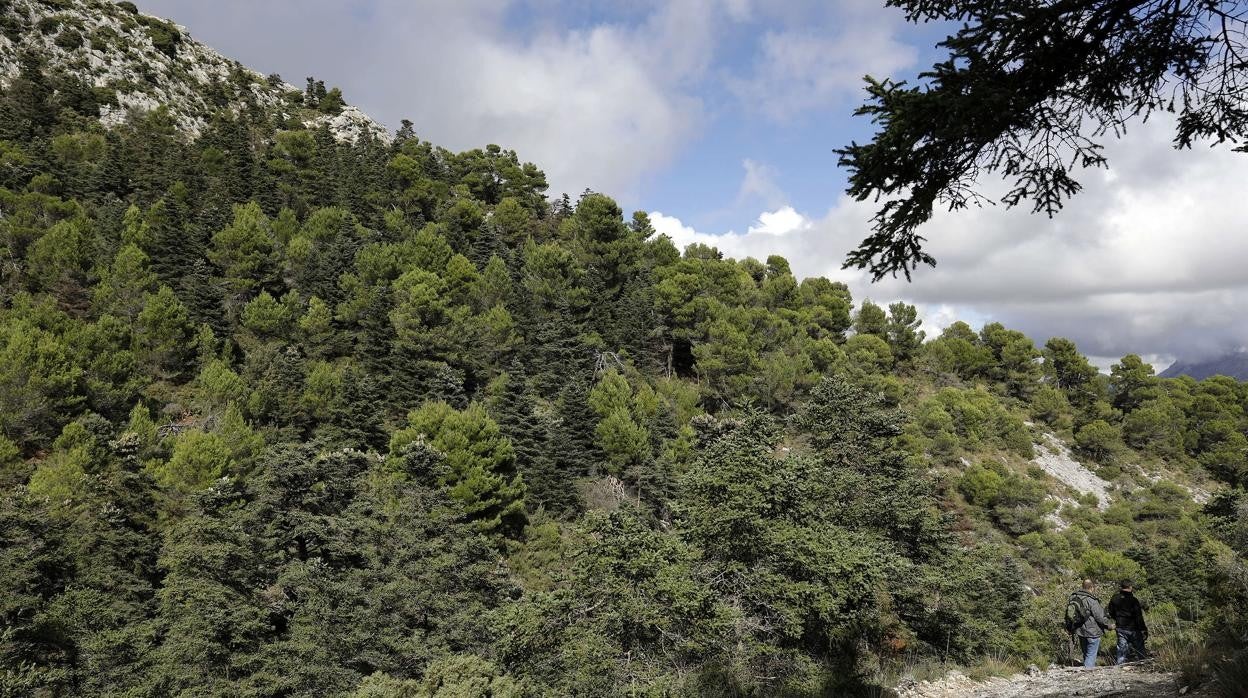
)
(1074, 614)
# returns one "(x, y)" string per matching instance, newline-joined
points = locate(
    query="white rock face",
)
(349, 125)
(117, 53)
(1055, 459)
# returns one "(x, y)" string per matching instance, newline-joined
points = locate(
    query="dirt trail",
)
(1131, 681)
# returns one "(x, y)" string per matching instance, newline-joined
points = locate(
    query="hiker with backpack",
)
(1085, 619)
(1128, 616)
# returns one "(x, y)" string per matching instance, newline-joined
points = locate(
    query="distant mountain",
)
(1234, 365)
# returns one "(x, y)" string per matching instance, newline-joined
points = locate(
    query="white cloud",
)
(682, 235)
(738, 10)
(801, 69)
(760, 181)
(782, 221)
(582, 104)
(596, 107)
(1149, 259)
(760, 239)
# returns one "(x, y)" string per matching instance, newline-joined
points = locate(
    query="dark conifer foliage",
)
(284, 413)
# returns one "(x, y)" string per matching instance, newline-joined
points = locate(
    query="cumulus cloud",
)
(597, 107)
(800, 69)
(1148, 259)
(782, 221)
(582, 103)
(760, 182)
(599, 99)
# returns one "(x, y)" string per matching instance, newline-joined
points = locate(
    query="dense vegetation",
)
(281, 415)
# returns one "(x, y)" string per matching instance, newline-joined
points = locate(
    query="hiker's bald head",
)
(1088, 585)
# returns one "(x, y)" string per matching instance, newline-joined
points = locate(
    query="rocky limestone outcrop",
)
(143, 62)
(1055, 458)
(348, 124)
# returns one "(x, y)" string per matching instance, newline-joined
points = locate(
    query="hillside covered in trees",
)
(285, 411)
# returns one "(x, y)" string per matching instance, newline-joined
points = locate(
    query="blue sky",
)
(724, 89)
(795, 150)
(720, 118)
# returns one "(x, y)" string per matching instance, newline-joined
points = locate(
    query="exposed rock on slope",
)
(1055, 459)
(139, 62)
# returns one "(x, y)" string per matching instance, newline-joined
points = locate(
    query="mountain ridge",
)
(136, 62)
(1234, 365)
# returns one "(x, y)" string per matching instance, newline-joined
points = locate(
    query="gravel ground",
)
(1130, 681)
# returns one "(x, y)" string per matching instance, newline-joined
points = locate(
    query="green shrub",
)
(1016, 504)
(1163, 500)
(1109, 473)
(1185, 654)
(265, 315)
(990, 667)
(165, 37)
(1110, 537)
(103, 38)
(1106, 565)
(1099, 440)
(978, 417)
(981, 486)
(1045, 550)
(198, 458)
(69, 39)
(104, 95)
(219, 385)
(1031, 646)
(945, 447)
(9, 452)
(1013, 435)
(332, 102)
(1049, 405)
(12, 26)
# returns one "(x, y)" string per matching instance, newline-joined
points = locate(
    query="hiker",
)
(1128, 616)
(1086, 620)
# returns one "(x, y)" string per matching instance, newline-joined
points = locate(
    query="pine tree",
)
(482, 472)
(108, 609)
(243, 252)
(357, 416)
(163, 332)
(211, 620)
(515, 410)
(577, 452)
(37, 566)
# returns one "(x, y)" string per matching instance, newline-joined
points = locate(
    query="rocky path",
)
(1132, 681)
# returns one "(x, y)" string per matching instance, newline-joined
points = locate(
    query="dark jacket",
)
(1094, 621)
(1126, 612)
